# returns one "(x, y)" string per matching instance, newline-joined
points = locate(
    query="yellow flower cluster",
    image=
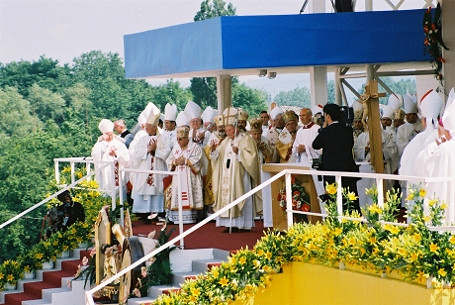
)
(415, 252)
(13, 270)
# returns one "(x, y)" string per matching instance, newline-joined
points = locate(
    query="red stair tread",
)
(51, 279)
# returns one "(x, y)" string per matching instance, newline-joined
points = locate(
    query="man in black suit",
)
(336, 141)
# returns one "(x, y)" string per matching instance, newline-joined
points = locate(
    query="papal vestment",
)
(107, 175)
(189, 177)
(148, 188)
(234, 175)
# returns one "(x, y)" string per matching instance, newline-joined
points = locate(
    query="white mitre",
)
(410, 104)
(170, 112)
(208, 114)
(106, 126)
(276, 111)
(182, 119)
(153, 115)
(430, 105)
(193, 110)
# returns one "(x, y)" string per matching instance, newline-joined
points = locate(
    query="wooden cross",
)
(371, 98)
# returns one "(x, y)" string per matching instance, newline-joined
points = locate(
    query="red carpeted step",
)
(55, 277)
(168, 291)
(51, 279)
(211, 265)
(71, 266)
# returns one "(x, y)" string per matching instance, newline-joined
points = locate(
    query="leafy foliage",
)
(300, 97)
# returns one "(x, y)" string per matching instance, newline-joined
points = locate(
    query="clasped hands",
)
(180, 161)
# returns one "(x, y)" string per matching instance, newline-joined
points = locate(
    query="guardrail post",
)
(72, 171)
(380, 185)
(290, 214)
(57, 171)
(120, 196)
(339, 195)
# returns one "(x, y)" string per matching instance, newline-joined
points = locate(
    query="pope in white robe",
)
(236, 171)
(109, 148)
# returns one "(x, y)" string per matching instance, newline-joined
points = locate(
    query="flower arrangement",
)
(415, 252)
(433, 39)
(10, 273)
(300, 199)
(50, 249)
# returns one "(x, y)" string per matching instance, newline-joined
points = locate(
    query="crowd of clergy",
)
(216, 157)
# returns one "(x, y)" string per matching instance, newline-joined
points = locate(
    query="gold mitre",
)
(182, 132)
(242, 115)
(398, 114)
(219, 120)
(256, 125)
(230, 116)
(358, 114)
(289, 115)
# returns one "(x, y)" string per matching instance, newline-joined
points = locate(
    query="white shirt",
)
(305, 136)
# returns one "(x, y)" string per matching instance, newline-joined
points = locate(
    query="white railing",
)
(88, 161)
(339, 199)
(89, 293)
(68, 187)
(287, 173)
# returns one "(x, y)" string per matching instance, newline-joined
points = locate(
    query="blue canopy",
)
(229, 44)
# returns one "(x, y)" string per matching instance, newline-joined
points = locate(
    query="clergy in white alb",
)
(109, 153)
(186, 160)
(302, 148)
(149, 152)
(413, 125)
(430, 108)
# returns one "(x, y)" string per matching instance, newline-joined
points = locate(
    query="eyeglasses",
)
(180, 139)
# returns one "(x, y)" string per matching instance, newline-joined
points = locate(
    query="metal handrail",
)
(89, 293)
(287, 173)
(72, 185)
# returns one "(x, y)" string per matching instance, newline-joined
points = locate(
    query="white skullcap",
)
(276, 111)
(106, 126)
(410, 104)
(170, 112)
(193, 110)
(430, 104)
(394, 101)
(387, 112)
(208, 114)
(182, 119)
(153, 115)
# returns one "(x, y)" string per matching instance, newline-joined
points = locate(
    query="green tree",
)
(45, 72)
(214, 8)
(253, 101)
(46, 104)
(15, 114)
(300, 97)
(172, 93)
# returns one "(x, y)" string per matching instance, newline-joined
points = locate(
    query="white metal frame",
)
(287, 173)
